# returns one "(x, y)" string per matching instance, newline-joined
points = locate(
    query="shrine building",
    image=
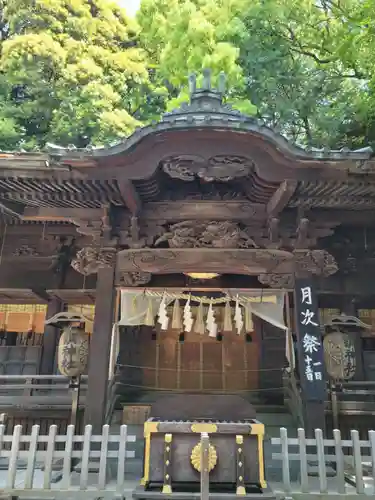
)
(206, 254)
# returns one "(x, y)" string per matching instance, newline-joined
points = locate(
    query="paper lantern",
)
(73, 351)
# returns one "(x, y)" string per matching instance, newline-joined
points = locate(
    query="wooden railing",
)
(341, 467)
(40, 399)
(36, 390)
(352, 398)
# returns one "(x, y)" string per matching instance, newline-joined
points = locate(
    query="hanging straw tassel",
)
(211, 323)
(249, 325)
(176, 316)
(188, 317)
(238, 319)
(228, 326)
(149, 319)
(163, 314)
(199, 321)
(134, 305)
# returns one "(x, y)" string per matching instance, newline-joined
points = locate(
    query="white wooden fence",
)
(45, 466)
(342, 467)
(30, 461)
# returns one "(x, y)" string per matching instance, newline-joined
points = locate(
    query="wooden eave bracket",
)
(281, 197)
(130, 196)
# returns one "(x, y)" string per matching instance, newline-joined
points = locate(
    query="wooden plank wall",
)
(195, 362)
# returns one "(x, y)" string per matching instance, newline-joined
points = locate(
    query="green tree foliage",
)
(306, 65)
(304, 72)
(81, 72)
(184, 36)
(70, 73)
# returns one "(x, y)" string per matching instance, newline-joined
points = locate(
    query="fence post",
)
(340, 463)
(371, 436)
(285, 459)
(322, 470)
(205, 480)
(359, 483)
(303, 459)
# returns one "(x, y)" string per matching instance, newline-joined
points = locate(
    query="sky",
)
(131, 6)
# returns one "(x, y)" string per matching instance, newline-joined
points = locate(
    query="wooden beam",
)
(274, 232)
(130, 196)
(204, 210)
(54, 214)
(281, 197)
(41, 292)
(302, 233)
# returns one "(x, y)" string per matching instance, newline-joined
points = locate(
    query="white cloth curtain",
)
(268, 305)
(133, 306)
(272, 312)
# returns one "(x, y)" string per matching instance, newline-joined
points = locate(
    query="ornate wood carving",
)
(165, 261)
(200, 232)
(133, 278)
(90, 259)
(209, 234)
(140, 233)
(317, 262)
(25, 251)
(277, 280)
(221, 168)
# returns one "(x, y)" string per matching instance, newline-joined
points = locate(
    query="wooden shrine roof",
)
(203, 151)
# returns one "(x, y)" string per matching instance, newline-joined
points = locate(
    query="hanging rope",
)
(209, 300)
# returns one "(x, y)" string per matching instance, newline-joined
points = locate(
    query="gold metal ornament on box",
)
(195, 457)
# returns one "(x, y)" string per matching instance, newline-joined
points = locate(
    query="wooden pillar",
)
(50, 338)
(310, 355)
(100, 346)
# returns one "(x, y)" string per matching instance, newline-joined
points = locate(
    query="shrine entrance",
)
(235, 344)
(199, 363)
